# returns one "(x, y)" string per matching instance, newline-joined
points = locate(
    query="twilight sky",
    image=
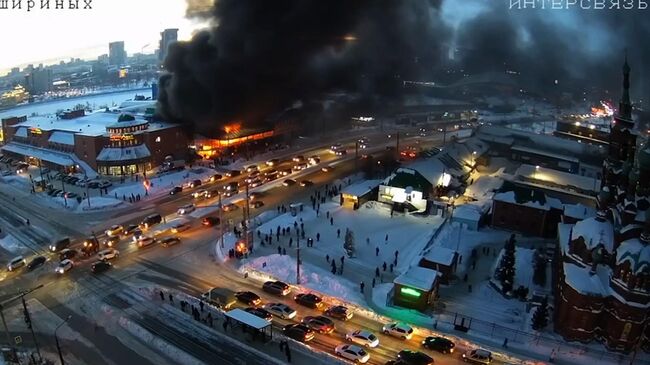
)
(50, 35)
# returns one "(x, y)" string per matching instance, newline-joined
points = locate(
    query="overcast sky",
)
(51, 35)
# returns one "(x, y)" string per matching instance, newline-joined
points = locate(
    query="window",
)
(158, 139)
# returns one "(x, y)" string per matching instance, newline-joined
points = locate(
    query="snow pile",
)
(11, 244)
(229, 240)
(99, 203)
(283, 268)
(162, 183)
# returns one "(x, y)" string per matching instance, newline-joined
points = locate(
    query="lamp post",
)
(56, 339)
(536, 169)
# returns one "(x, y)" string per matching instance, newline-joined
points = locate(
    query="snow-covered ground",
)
(160, 184)
(523, 268)
(11, 244)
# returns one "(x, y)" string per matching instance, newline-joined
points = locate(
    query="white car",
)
(281, 310)
(478, 356)
(16, 263)
(108, 254)
(145, 241)
(64, 266)
(115, 230)
(180, 227)
(186, 209)
(363, 338)
(396, 329)
(352, 352)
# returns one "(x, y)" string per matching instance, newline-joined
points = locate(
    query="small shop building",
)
(417, 288)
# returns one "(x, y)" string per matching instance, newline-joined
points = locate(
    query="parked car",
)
(16, 263)
(108, 254)
(397, 329)
(289, 182)
(352, 352)
(64, 266)
(414, 357)
(339, 312)
(363, 338)
(320, 324)
(298, 332)
(281, 310)
(439, 344)
(169, 241)
(175, 190)
(260, 312)
(36, 262)
(210, 221)
(68, 253)
(105, 184)
(478, 356)
(115, 230)
(248, 298)
(100, 266)
(309, 300)
(276, 287)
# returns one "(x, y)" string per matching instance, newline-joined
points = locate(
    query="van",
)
(150, 221)
(60, 245)
(220, 297)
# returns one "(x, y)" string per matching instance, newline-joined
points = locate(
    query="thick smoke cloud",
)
(261, 57)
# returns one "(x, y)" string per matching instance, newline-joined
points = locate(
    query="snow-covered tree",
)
(348, 244)
(539, 275)
(506, 271)
(540, 317)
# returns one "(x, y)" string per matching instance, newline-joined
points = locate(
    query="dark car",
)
(195, 183)
(210, 221)
(339, 312)
(169, 241)
(60, 245)
(414, 357)
(112, 241)
(276, 287)
(36, 262)
(298, 332)
(320, 324)
(260, 312)
(215, 177)
(306, 183)
(257, 204)
(67, 254)
(396, 362)
(130, 229)
(309, 300)
(175, 190)
(439, 344)
(233, 173)
(249, 298)
(100, 266)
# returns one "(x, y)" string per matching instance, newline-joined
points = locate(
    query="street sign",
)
(18, 340)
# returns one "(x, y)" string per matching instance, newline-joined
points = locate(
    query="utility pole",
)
(221, 220)
(297, 257)
(444, 135)
(4, 322)
(397, 147)
(56, 339)
(28, 321)
(356, 156)
(639, 340)
(247, 217)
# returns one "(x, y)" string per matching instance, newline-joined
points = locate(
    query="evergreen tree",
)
(348, 244)
(540, 317)
(539, 275)
(506, 271)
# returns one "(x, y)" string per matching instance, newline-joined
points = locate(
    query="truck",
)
(220, 297)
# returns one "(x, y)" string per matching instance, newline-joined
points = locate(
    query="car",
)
(105, 184)
(314, 160)
(327, 168)
(299, 158)
(7, 173)
(252, 168)
(216, 177)
(180, 227)
(306, 183)
(273, 162)
(352, 352)
(130, 229)
(64, 266)
(36, 262)
(233, 173)
(200, 194)
(289, 182)
(260, 312)
(115, 230)
(169, 241)
(363, 338)
(232, 186)
(414, 357)
(230, 193)
(299, 167)
(252, 176)
(90, 245)
(112, 241)
(255, 183)
(150, 221)
(478, 356)
(397, 329)
(281, 310)
(230, 207)
(339, 312)
(341, 153)
(320, 324)
(93, 184)
(60, 244)
(336, 147)
(309, 300)
(108, 254)
(257, 204)
(68, 253)
(175, 190)
(271, 173)
(100, 266)
(210, 221)
(248, 298)
(145, 241)
(298, 332)
(276, 287)
(186, 209)
(285, 172)
(70, 195)
(16, 263)
(439, 344)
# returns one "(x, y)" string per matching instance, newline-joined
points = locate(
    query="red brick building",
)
(525, 210)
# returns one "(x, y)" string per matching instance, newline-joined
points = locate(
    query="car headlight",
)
(52, 248)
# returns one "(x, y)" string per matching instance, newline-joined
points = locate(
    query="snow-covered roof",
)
(468, 212)
(483, 187)
(21, 132)
(544, 153)
(62, 138)
(509, 197)
(440, 255)
(579, 211)
(124, 153)
(93, 124)
(59, 158)
(583, 282)
(636, 252)
(418, 278)
(405, 177)
(558, 177)
(361, 188)
(595, 231)
(252, 320)
(431, 168)
(127, 123)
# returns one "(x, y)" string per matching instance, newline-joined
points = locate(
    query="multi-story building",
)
(116, 54)
(109, 143)
(167, 37)
(39, 80)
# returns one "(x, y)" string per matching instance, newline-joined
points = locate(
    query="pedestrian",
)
(338, 233)
(377, 272)
(367, 240)
(391, 267)
(328, 214)
(171, 299)
(361, 286)
(377, 251)
(505, 343)
(386, 239)
(373, 283)
(210, 319)
(290, 241)
(279, 250)
(281, 345)
(283, 231)
(225, 326)
(201, 305)
(287, 352)
(331, 221)
(27, 221)
(162, 296)
(342, 260)
(333, 267)
(473, 265)
(327, 257)
(465, 278)
(302, 233)
(395, 261)
(317, 237)
(396, 254)
(284, 251)
(384, 265)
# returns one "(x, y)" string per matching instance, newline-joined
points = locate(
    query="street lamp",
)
(536, 169)
(56, 339)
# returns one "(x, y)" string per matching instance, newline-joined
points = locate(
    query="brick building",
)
(525, 210)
